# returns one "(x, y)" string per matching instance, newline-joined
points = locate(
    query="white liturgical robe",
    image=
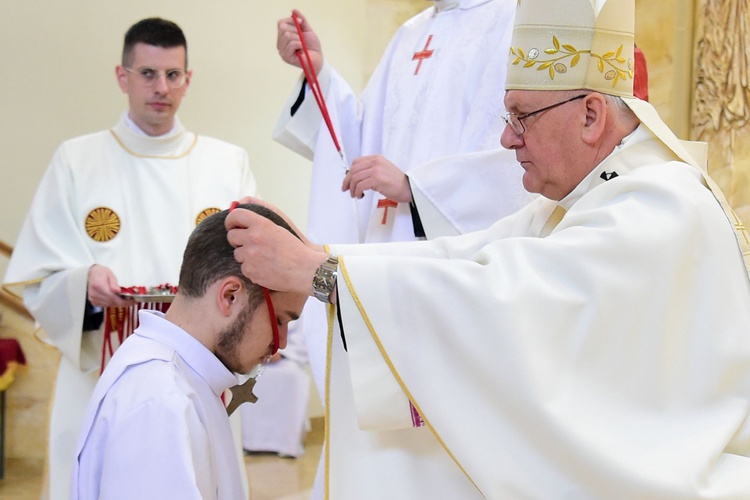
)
(156, 427)
(607, 359)
(122, 200)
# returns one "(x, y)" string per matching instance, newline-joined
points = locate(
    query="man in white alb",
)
(156, 426)
(592, 345)
(113, 210)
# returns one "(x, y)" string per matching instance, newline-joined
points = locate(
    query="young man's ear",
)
(122, 78)
(229, 293)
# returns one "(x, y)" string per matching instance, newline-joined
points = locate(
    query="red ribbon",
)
(274, 324)
(269, 305)
(312, 80)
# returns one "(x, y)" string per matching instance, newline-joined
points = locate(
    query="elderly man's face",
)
(549, 149)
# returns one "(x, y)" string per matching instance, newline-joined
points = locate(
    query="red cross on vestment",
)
(422, 55)
(386, 204)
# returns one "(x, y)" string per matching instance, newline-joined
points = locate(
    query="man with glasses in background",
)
(115, 209)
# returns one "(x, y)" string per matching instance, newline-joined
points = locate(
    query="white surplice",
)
(609, 359)
(156, 426)
(157, 187)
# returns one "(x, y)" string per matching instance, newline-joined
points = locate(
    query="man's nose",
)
(160, 85)
(509, 139)
(283, 333)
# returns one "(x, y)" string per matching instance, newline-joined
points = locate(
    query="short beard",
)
(230, 338)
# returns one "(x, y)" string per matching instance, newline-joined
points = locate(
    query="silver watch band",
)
(324, 280)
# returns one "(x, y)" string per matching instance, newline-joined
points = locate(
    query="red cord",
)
(312, 80)
(269, 304)
(274, 324)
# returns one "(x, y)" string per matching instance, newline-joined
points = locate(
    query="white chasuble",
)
(121, 200)
(609, 359)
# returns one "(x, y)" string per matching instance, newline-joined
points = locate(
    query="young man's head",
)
(154, 73)
(156, 32)
(223, 309)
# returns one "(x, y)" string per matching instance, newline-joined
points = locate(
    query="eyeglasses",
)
(175, 78)
(516, 122)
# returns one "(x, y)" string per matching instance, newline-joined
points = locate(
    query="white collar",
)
(138, 130)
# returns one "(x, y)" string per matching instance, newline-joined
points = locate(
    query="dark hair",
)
(153, 31)
(209, 257)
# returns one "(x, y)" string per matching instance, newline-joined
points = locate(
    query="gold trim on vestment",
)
(331, 310)
(401, 383)
(554, 219)
(156, 157)
(44, 340)
(6, 286)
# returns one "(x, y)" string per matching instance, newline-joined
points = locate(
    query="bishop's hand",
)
(270, 255)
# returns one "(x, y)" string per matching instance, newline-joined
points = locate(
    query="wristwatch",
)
(324, 280)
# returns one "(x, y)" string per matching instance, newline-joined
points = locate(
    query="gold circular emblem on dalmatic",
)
(206, 213)
(102, 224)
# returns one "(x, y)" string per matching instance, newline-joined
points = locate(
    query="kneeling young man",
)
(156, 425)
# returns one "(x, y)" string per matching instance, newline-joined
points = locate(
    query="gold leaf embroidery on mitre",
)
(206, 213)
(611, 64)
(102, 224)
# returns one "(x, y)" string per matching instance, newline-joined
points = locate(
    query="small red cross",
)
(422, 55)
(386, 204)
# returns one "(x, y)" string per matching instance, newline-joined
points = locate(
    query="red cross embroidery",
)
(386, 204)
(422, 55)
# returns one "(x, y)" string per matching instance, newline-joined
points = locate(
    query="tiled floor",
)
(274, 478)
(270, 477)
